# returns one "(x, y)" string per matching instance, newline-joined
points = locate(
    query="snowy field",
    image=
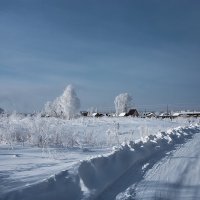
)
(50, 158)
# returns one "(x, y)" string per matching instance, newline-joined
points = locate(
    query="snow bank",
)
(101, 172)
(61, 186)
(92, 177)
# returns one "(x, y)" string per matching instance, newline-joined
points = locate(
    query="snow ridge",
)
(92, 178)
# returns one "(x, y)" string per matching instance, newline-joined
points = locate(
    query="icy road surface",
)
(176, 176)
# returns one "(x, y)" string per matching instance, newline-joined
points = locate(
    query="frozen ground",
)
(44, 158)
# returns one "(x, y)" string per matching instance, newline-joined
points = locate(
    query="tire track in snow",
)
(134, 174)
(177, 176)
(130, 193)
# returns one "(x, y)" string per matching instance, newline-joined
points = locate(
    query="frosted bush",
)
(88, 132)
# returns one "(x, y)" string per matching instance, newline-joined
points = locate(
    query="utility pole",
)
(167, 110)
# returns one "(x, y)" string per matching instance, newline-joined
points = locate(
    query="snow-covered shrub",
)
(123, 103)
(65, 106)
(46, 132)
(11, 131)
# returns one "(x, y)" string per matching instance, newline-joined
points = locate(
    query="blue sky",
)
(148, 48)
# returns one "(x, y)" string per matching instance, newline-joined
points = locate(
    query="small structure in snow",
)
(122, 114)
(174, 115)
(150, 115)
(164, 115)
(191, 114)
(109, 114)
(131, 112)
(186, 114)
(97, 115)
(84, 113)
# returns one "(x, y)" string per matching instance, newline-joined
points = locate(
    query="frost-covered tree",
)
(123, 103)
(65, 106)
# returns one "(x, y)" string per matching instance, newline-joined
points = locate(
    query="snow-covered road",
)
(176, 176)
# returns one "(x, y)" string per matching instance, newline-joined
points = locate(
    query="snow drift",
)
(90, 179)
